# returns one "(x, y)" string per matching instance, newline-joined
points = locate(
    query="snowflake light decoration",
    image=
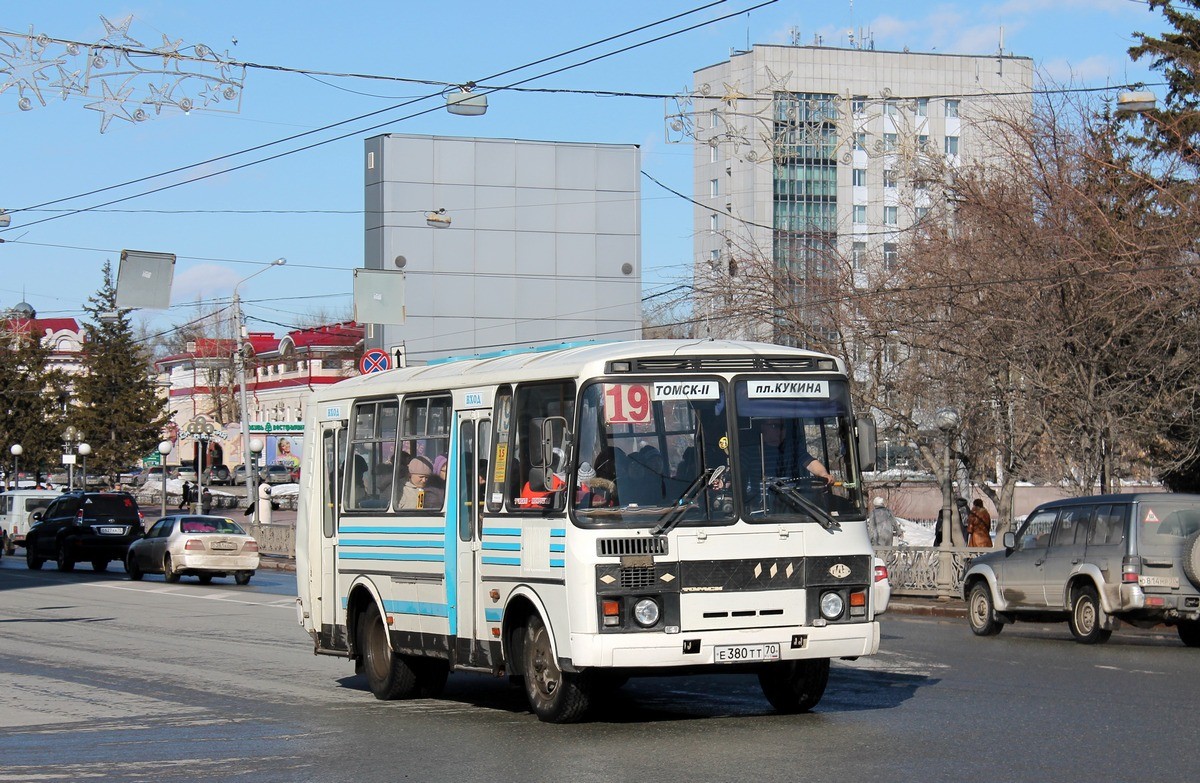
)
(119, 76)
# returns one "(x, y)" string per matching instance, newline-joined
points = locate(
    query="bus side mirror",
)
(555, 440)
(865, 436)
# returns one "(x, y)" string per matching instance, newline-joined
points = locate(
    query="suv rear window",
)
(113, 505)
(1167, 522)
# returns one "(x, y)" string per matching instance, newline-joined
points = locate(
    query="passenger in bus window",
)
(417, 494)
(438, 479)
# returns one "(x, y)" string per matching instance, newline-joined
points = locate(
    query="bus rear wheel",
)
(555, 696)
(794, 686)
(388, 675)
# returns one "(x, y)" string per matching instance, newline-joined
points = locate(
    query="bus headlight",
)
(646, 612)
(832, 605)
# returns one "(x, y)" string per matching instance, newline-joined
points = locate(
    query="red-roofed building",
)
(281, 372)
(63, 336)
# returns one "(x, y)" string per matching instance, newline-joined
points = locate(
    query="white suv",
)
(1095, 561)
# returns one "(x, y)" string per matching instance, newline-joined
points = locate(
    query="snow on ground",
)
(915, 534)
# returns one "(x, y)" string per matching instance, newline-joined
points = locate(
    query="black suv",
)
(95, 527)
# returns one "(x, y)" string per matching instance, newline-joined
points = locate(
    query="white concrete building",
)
(530, 243)
(804, 154)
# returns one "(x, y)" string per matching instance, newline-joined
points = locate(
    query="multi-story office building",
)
(817, 160)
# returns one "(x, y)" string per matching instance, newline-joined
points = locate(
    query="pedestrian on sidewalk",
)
(979, 526)
(881, 525)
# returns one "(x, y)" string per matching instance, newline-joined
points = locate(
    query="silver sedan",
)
(194, 545)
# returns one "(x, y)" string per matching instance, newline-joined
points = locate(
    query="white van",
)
(16, 507)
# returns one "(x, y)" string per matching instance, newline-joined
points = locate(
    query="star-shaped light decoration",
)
(169, 50)
(160, 96)
(118, 34)
(24, 68)
(68, 82)
(112, 105)
(732, 95)
(776, 83)
(211, 93)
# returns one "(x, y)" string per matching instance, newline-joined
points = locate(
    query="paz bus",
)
(576, 517)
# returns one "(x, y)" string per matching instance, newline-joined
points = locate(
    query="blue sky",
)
(304, 206)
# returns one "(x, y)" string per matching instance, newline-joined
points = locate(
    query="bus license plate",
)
(740, 653)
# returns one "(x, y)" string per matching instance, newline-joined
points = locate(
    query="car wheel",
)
(1087, 616)
(1189, 632)
(32, 561)
(794, 686)
(169, 572)
(132, 568)
(981, 614)
(555, 696)
(388, 674)
(243, 577)
(205, 579)
(99, 565)
(63, 557)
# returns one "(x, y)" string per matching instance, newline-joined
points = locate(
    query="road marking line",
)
(176, 592)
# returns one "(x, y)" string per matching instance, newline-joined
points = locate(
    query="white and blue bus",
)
(572, 518)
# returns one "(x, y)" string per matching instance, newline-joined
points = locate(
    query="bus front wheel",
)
(555, 696)
(794, 686)
(388, 676)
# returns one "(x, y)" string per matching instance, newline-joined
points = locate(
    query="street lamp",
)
(241, 359)
(16, 450)
(947, 420)
(164, 448)
(84, 451)
(71, 436)
(256, 448)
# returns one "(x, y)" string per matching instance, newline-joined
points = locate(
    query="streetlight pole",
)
(256, 447)
(164, 448)
(948, 420)
(84, 451)
(16, 450)
(241, 360)
(71, 436)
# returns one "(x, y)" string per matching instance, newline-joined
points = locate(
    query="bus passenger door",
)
(474, 443)
(333, 450)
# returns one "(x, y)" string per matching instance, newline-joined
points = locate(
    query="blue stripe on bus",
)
(388, 529)
(493, 615)
(501, 560)
(408, 544)
(558, 547)
(502, 531)
(501, 546)
(556, 563)
(558, 532)
(390, 556)
(422, 608)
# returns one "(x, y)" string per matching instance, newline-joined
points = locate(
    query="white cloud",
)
(203, 281)
(1092, 69)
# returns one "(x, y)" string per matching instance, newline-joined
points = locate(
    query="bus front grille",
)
(623, 547)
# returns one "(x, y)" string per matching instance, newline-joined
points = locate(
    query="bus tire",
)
(794, 686)
(388, 675)
(555, 696)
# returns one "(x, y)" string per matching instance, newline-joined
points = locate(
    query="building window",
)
(858, 105)
(952, 108)
(860, 177)
(889, 253)
(860, 141)
(331, 364)
(889, 142)
(923, 142)
(921, 213)
(890, 108)
(891, 216)
(712, 153)
(951, 145)
(712, 118)
(922, 107)
(714, 188)
(712, 223)
(889, 178)
(860, 213)
(714, 256)
(858, 254)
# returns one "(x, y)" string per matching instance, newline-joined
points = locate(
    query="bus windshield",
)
(794, 441)
(648, 450)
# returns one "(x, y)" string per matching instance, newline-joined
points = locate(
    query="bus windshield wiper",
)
(680, 506)
(800, 503)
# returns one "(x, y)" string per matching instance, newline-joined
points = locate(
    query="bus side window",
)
(532, 486)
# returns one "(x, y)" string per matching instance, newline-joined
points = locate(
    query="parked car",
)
(218, 474)
(130, 475)
(881, 588)
(17, 507)
(186, 472)
(194, 545)
(1095, 562)
(276, 474)
(154, 474)
(95, 527)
